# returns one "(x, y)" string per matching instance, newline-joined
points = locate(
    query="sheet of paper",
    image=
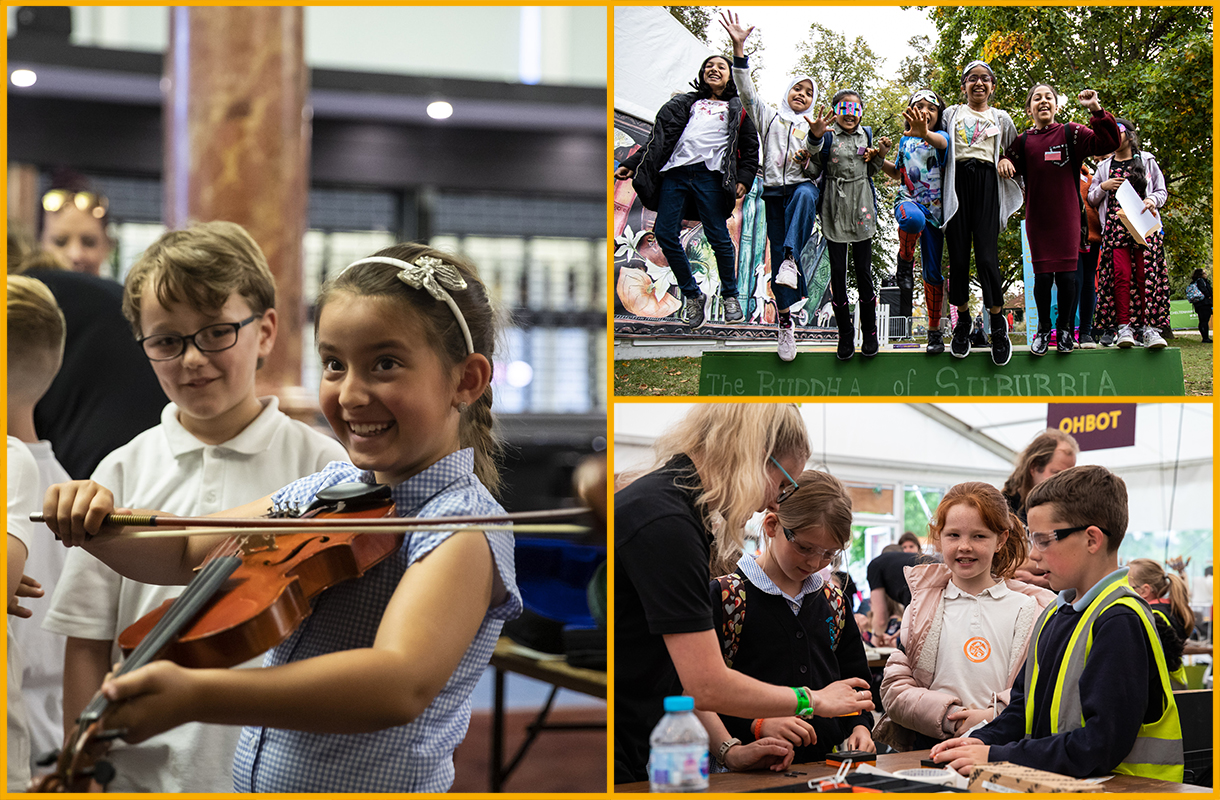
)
(1133, 206)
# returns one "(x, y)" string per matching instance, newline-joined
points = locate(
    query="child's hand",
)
(775, 754)
(74, 511)
(819, 123)
(742, 189)
(848, 696)
(961, 754)
(884, 147)
(1088, 99)
(27, 588)
(790, 729)
(860, 739)
(1149, 205)
(801, 156)
(158, 697)
(917, 120)
(737, 32)
(967, 718)
(623, 173)
(1005, 168)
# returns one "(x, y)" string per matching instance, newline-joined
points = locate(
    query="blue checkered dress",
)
(417, 757)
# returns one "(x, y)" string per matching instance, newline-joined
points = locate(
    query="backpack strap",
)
(733, 614)
(837, 620)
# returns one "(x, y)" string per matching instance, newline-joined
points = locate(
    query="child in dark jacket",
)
(702, 155)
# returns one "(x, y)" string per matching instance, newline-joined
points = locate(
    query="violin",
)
(249, 595)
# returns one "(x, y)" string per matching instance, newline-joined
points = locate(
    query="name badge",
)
(1052, 155)
(994, 130)
(861, 150)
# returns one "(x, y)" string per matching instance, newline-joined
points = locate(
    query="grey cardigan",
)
(1011, 196)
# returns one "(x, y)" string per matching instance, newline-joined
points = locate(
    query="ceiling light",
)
(23, 77)
(439, 109)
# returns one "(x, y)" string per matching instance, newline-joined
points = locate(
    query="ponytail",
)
(1145, 571)
(1179, 602)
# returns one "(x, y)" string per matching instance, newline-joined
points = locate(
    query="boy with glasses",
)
(800, 628)
(201, 303)
(1094, 696)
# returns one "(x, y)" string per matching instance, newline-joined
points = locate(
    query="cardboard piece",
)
(1004, 776)
(1139, 222)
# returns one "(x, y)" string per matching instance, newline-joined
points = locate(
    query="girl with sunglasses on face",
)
(674, 528)
(799, 627)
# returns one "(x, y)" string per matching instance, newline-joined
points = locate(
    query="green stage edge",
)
(1102, 372)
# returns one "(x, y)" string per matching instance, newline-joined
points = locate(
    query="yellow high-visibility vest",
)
(1157, 752)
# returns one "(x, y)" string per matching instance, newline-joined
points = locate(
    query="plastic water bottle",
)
(679, 759)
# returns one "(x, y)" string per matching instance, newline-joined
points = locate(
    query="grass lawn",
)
(673, 377)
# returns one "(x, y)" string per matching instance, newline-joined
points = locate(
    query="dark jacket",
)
(740, 164)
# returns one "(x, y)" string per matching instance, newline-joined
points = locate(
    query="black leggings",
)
(1066, 281)
(862, 261)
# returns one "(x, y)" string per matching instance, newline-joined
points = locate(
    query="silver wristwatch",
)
(724, 750)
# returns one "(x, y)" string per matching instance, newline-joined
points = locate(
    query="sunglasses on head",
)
(88, 202)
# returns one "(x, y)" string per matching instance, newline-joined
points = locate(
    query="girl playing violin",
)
(371, 692)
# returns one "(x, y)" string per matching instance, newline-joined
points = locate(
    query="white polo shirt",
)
(22, 494)
(168, 469)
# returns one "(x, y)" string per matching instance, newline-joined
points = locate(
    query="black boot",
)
(868, 327)
(847, 332)
(906, 287)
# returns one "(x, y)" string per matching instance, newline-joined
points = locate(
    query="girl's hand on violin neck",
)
(74, 511)
(156, 698)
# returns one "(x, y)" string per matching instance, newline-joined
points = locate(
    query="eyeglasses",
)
(978, 79)
(1043, 540)
(787, 491)
(808, 550)
(212, 339)
(88, 202)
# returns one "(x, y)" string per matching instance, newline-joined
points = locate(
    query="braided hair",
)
(1139, 175)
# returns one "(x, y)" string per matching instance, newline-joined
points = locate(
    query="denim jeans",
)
(790, 219)
(698, 185)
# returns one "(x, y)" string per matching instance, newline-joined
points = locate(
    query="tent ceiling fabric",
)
(889, 442)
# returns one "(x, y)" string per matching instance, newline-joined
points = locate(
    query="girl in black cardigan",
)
(796, 625)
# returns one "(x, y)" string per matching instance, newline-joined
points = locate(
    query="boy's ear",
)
(1097, 539)
(268, 324)
(473, 376)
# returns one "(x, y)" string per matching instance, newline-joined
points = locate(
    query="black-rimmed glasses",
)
(212, 339)
(787, 491)
(1043, 540)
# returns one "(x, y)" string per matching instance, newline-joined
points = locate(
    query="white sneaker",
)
(1126, 338)
(1153, 339)
(788, 275)
(786, 342)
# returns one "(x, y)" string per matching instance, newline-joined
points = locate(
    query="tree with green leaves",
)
(696, 19)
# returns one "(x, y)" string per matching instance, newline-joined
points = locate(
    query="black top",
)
(740, 162)
(106, 391)
(1119, 691)
(885, 572)
(786, 649)
(662, 549)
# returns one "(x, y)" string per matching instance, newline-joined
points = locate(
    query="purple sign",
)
(1095, 426)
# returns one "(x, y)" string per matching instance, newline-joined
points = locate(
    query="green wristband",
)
(804, 701)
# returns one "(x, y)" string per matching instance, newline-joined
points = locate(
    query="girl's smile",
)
(930, 111)
(1042, 106)
(978, 84)
(969, 547)
(800, 97)
(716, 73)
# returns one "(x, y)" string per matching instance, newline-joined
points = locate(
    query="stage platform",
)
(1107, 372)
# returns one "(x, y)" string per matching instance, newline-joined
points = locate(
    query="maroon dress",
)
(1052, 198)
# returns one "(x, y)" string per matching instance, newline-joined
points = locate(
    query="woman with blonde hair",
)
(1169, 598)
(675, 527)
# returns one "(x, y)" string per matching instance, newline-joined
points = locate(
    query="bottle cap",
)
(679, 703)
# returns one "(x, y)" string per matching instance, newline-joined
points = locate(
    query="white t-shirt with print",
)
(705, 140)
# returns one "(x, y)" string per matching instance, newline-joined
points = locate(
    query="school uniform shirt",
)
(793, 641)
(418, 756)
(705, 138)
(978, 641)
(1119, 690)
(662, 547)
(920, 166)
(22, 494)
(168, 469)
(1010, 191)
(849, 209)
(42, 679)
(1052, 188)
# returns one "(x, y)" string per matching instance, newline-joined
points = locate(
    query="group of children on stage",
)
(371, 692)
(958, 168)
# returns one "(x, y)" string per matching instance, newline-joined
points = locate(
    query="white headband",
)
(432, 275)
(924, 94)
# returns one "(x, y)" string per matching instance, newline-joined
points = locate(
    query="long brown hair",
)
(996, 516)
(1036, 455)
